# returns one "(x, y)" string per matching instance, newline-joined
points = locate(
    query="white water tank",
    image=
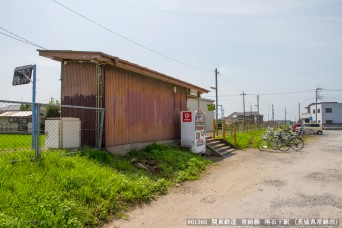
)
(63, 132)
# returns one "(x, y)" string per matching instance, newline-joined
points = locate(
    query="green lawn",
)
(87, 188)
(246, 140)
(17, 141)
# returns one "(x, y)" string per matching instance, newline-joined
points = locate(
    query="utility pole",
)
(298, 112)
(272, 113)
(316, 101)
(285, 116)
(244, 111)
(250, 113)
(216, 73)
(257, 119)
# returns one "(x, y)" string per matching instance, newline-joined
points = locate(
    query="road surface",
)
(256, 185)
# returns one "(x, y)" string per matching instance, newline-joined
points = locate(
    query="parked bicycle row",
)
(283, 141)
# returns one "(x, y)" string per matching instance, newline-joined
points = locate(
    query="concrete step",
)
(219, 147)
(213, 143)
(224, 148)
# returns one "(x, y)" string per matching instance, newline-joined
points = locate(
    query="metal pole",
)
(244, 111)
(299, 113)
(216, 73)
(37, 132)
(272, 113)
(285, 116)
(33, 106)
(316, 105)
(316, 102)
(250, 113)
(101, 128)
(257, 122)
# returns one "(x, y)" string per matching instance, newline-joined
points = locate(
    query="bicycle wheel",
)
(273, 144)
(296, 143)
(263, 145)
(283, 145)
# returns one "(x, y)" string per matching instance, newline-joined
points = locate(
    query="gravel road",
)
(253, 184)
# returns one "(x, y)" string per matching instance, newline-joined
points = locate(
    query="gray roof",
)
(17, 114)
(241, 114)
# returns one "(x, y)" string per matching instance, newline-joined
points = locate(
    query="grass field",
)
(16, 141)
(246, 140)
(87, 188)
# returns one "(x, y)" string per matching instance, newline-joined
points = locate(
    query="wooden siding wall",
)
(140, 109)
(79, 89)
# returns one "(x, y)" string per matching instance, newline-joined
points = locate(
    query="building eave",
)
(102, 58)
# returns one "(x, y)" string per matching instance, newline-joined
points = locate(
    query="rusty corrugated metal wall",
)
(79, 89)
(140, 109)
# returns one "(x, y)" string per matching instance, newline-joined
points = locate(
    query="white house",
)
(15, 121)
(327, 113)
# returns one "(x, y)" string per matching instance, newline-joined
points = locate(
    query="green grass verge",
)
(87, 188)
(16, 141)
(246, 140)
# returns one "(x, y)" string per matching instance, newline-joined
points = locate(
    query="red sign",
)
(187, 116)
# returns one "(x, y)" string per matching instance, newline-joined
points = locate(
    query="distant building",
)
(253, 117)
(12, 122)
(11, 107)
(17, 121)
(328, 113)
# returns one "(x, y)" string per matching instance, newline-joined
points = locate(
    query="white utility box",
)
(63, 132)
(193, 131)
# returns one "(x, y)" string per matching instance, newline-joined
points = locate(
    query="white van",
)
(316, 128)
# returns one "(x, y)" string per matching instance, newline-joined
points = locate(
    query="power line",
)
(230, 83)
(128, 39)
(283, 93)
(333, 90)
(19, 38)
(265, 94)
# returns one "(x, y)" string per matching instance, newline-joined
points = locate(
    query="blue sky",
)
(258, 46)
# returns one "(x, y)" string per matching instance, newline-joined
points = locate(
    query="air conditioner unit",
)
(63, 132)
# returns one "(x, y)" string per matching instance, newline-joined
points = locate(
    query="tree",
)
(53, 111)
(25, 107)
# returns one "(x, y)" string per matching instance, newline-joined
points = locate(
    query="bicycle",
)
(296, 143)
(273, 141)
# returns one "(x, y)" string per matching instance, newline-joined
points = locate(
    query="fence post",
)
(37, 131)
(33, 106)
(235, 134)
(223, 128)
(214, 128)
(101, 128)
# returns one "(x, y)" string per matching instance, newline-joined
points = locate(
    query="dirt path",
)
(253, 184)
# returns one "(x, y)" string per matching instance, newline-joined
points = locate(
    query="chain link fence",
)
(249, 126)
(47, 127)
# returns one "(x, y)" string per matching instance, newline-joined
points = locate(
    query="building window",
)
(13, 119)
(328, 121)
(22, 121)
(328, 110)
(319, 110)
(314, 111)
